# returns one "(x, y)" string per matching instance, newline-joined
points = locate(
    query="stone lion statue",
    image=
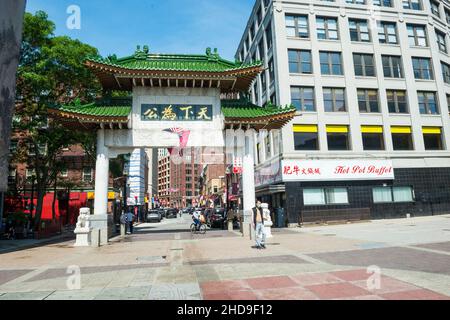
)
(83, 218)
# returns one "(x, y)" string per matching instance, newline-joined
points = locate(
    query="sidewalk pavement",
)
(318, 263)
(23, 244)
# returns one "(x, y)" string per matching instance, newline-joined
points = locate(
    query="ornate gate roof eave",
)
(243, 114)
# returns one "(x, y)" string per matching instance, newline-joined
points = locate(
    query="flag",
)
(183, 136)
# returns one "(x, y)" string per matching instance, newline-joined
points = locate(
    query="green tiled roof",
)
(245, 109)
(112, 108)
(145, 61)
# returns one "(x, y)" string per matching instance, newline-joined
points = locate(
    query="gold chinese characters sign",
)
(176, 112)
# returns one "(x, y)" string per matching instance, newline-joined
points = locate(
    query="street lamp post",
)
(125, 192)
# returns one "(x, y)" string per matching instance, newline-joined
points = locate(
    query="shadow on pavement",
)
(8, 246)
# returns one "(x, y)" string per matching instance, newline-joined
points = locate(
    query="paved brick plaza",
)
(166, 262)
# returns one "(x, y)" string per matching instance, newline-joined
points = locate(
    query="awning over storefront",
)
(271, 189)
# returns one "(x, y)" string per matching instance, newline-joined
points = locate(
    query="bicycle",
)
(195, 229)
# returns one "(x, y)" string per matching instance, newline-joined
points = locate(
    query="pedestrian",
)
(130, 220)
(123, 223)
(258, 222)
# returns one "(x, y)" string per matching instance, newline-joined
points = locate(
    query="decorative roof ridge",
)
(208, 57)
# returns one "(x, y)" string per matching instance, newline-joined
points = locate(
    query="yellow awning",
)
(372, 129)
(311, 128)
(431, 130)
(337, 129)
(401, 129)
(111, 195)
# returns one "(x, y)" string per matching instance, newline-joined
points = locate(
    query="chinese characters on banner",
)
(335, 170)
(237, 165)
(176, 112)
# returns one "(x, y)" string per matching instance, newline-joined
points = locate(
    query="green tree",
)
(51, 72)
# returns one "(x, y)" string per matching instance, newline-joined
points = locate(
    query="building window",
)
(338, 137)
(30, 173)
(263, 82)
(306, 137)
(448, 102)
(259, 16)
(445, 72)
(12, 176)
(269, 37)
(64, 173)
(303, 98)
(359, 30)
(412, 4)
(402, 138)
(397, 101)
(442, 43)
(325, 196)
(392, 66)
(87, 175)
(417, 35)
(262, 54)
(356, 1)
(271, 71)
(300, 61)
(387, 32)
(428, 102)
(364, 65)
(334, 99)
(382, 3)
(327, 28)
(330, 63)
(422, 68)
(297, 26)
(447, 16)
(13, 146)
(435, 8)
(368, 101)
(373, 138)
(393, 194)
(432, 137)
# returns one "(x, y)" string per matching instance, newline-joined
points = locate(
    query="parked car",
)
(172, 214)
(216, 218)
(153, 215)
(162, 212)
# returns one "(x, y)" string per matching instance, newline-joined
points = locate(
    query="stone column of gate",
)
(99, 220)
(248, 182)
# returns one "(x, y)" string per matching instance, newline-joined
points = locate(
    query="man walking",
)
(130, 220)
(258, 221)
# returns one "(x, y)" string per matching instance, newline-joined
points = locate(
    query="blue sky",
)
(167, 26)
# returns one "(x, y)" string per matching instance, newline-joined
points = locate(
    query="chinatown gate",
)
(176, 103)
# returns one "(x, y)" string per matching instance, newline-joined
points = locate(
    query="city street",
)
(164, 261)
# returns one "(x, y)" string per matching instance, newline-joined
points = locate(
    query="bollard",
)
(230, 225)
(122, 230)
(95, 239)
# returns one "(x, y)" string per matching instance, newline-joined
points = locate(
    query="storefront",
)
(335, 190)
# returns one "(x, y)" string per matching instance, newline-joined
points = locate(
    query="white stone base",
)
(83, 237)
(268, 230)
(99, 224)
